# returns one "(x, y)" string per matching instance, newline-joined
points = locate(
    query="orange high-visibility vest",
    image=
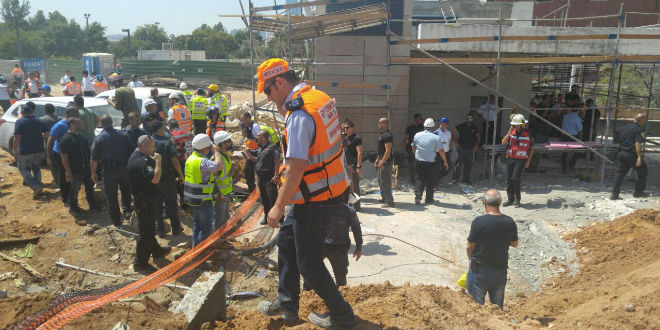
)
(73, 88)
(325, 176)
(182, 116)
(100, 87)
(219, 126)
(250, 141)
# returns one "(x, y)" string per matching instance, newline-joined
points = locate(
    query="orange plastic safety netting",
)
(71, 306)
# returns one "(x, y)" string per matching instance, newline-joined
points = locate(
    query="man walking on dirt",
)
(315, 181)
(487, 250)
(630, 156)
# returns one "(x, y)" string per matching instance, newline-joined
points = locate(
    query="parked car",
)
(98, 106)
(143, 93)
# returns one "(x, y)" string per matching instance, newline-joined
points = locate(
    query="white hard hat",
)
(201, 141)
(175, 95)
(183, 86)
(148, 102)
(220, 137)
(429, 122)
(518, 120)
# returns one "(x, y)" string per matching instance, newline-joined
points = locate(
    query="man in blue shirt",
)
(133, 130)
(426, 145)
(55, 153)
(111, 150)
(572, 124)
(28, 147)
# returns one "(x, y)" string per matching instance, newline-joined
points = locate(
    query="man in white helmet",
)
(199, 186)
(519, 151)
(426, 146)
(183, 87)
(223, 180)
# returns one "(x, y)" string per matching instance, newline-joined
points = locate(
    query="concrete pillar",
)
(205, 301)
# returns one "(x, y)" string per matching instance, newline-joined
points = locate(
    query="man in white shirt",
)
(488, 112)
(135, 82)
(445, 141)
(66, 78)
(87, 84)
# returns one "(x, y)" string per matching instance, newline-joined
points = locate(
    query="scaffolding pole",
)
(389, 78)
(252, 70)
(497, 88)
(610, 88)
(648, 104)
(618, 97)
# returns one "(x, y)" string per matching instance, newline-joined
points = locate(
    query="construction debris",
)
(23, 265)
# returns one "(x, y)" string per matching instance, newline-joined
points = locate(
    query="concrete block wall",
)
(367, 56)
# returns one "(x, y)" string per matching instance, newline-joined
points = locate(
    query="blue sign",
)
(34, 64)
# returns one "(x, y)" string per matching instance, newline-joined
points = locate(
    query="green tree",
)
(15, 12)
(38, 21)
(94, 38)
(152, 36)
(63, 39)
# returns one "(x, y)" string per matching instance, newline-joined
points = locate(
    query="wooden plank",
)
(640, 36)
(300, 5)
(527, 38)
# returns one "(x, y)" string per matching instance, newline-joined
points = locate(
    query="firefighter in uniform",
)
(99, 85)
(519, 151)
(250, 132)
(218, 100)
(73, 88)
(215, 124)
(315, 181)
(179, 112)
(198, 111)
(183, 142)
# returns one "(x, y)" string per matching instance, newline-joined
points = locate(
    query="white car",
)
(99, 107)
(144, 93)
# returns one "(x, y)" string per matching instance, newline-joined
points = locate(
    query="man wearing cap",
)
(152, 107)
(314, 181)
(223, 180)
(188, 95)
(519, 151)
(426, 146)
(218, 100)
(111, 150)
(167, 186)
(199, 103)
(445, 140)
(179, 112)
(199, 186)
(144, 170)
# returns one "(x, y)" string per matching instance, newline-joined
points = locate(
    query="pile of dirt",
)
(617, 287)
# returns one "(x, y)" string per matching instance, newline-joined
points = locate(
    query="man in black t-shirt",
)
(411, 130)
(630, 156)
(488, 251)
(384, 161)
(466, 137)
(75, 159)
(353, 155)
(144, 173)
(167, 186)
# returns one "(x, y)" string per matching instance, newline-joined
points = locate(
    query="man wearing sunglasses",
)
(315, 181)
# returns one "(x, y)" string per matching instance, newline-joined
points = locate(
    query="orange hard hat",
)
(269, 69)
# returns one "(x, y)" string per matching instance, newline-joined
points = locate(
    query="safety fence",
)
(71, 306)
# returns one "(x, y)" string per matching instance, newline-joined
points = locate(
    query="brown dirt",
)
(620, 266)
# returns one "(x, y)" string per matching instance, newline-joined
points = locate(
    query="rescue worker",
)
(223, 181)
(183, 142)
(445, 140)
(179, 112)
(188, 95)
(45, 91)
(218, 100)
(73, 88)
(144, 171)
(315, 181)
(519, 151)
(426, 146)
(199, 186)
(116, 80)
(99, 85)
(250, 132)
(267, 168)
(198, 111)
(214, 124)
(17, 73)
(31, 85)
(630, 155)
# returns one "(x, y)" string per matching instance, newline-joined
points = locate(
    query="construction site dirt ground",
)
(573, 268)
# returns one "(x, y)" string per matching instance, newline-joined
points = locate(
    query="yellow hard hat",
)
(214, 87)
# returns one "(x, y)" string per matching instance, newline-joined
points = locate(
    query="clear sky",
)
(176, 17)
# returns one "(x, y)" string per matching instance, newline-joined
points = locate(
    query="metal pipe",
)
(389, 77)
(497, 87)
(568, 6)
(618, 97)
(522, 107)
(252, 70)
(648, 104)
(608, 109)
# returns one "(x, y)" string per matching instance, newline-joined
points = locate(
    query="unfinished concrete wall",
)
(436, 91)
(564, 47)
